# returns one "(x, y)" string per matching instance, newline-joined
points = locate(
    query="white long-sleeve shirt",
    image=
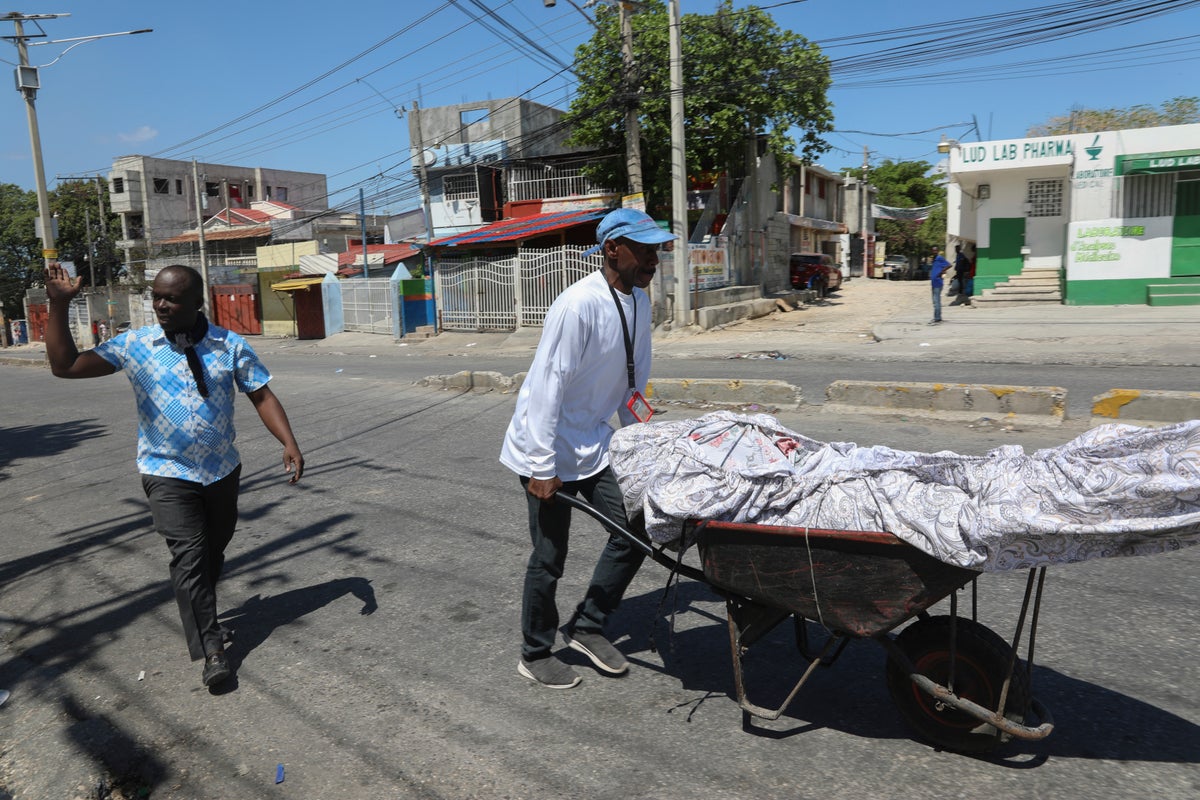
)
(578, 378)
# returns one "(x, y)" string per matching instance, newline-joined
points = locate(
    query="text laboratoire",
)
(1112, 230)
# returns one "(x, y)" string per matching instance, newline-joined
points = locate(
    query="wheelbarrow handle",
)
(655, 553)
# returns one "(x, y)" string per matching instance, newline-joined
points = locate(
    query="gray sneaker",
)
(606, 657)
(549, 672)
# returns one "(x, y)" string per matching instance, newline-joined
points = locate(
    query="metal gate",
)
(477, 294)
(368, 304)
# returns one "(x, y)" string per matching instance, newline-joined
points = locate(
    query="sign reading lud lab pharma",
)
(1106, 249)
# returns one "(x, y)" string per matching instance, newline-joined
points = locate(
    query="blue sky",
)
(317, 83)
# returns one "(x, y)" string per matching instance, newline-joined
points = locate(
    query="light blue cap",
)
(629, 223)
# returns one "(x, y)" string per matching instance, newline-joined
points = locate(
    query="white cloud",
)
(142, 134)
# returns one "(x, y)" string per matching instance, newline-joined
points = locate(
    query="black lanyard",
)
(625, 333)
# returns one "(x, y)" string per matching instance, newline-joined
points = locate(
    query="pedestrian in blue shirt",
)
(185, 374)
(936, 270)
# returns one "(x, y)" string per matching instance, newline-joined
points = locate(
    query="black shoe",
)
(216, 669)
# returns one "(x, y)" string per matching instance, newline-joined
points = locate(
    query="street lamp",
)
(28, 82)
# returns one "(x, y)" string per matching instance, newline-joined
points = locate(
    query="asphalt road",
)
(376, 607)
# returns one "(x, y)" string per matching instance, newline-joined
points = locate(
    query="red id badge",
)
(638, 406)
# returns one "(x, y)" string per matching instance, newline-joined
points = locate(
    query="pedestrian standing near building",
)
(936, 270)
(963, 277)
(185, 373)
(593, 360)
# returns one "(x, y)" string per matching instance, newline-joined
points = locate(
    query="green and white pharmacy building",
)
(1117, 213)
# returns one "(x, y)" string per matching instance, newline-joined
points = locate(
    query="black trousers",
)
(549, 531)
(198, 522)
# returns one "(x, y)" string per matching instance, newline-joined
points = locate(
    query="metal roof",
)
(295, 284)
(515, 230)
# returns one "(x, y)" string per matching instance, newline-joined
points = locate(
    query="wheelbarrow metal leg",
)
(736, 648)
(943, 695)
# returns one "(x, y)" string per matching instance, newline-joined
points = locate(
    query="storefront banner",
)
(1107, 249)
(708, 265)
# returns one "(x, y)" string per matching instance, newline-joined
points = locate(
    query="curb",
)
(1145, 407)
(1029, 404)
(732, 392)
(478, 382)
(17, 361)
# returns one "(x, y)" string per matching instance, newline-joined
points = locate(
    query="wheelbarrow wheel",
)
(981, 664)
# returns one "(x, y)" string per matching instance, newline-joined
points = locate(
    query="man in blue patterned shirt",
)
(185, 373)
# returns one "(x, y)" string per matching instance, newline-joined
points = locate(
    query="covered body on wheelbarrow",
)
(787, 527)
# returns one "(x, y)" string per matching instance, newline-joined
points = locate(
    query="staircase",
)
(1184, 293)
(1033, 285)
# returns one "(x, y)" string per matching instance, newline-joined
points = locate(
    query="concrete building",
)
(482, 158)
(1110, 218)
(777, 214)
(156, 198)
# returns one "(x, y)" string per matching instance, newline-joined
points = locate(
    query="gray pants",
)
(198, 522)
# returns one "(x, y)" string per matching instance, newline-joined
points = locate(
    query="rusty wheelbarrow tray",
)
(957, 683)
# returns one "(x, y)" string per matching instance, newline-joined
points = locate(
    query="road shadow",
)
(851, 696)
(74, 631)
(44, 441)
(255, 620)
(128, 769)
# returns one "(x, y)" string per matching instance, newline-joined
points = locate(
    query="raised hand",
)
(60, 286)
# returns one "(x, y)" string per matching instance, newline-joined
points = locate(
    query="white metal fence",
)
(368, 304)
(503, 293)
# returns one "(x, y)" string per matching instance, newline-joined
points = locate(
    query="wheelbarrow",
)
(957, 683)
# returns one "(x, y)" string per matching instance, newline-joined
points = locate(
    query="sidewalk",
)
(867, 320)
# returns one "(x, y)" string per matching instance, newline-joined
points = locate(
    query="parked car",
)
(920, 272)
(895, 268)
(816, 271)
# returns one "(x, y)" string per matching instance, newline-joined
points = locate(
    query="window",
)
(135, 226)
(118, 186)
(212, 189)
(808, 187)
(162, 186)
(249, 191)
(1044, 197)
(1148, 195)
(281, 194)
(460, 187)
(821, 188)
(178, 187)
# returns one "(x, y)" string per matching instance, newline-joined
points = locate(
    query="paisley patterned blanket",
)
(1117, 490)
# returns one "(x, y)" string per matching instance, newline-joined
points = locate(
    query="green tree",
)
(742, 75)
(1176, 111)
(908, 184)
(77, 207)
(20, 250)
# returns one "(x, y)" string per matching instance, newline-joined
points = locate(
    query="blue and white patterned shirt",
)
(181, 434)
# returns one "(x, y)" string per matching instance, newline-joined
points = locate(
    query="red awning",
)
(515, 230)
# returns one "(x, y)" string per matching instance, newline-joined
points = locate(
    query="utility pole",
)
(424, 177)
(28, 82)
(864, 202)
(87, 225)
(108, 283)
(200, 223)
(683, 283)
(633, 146)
